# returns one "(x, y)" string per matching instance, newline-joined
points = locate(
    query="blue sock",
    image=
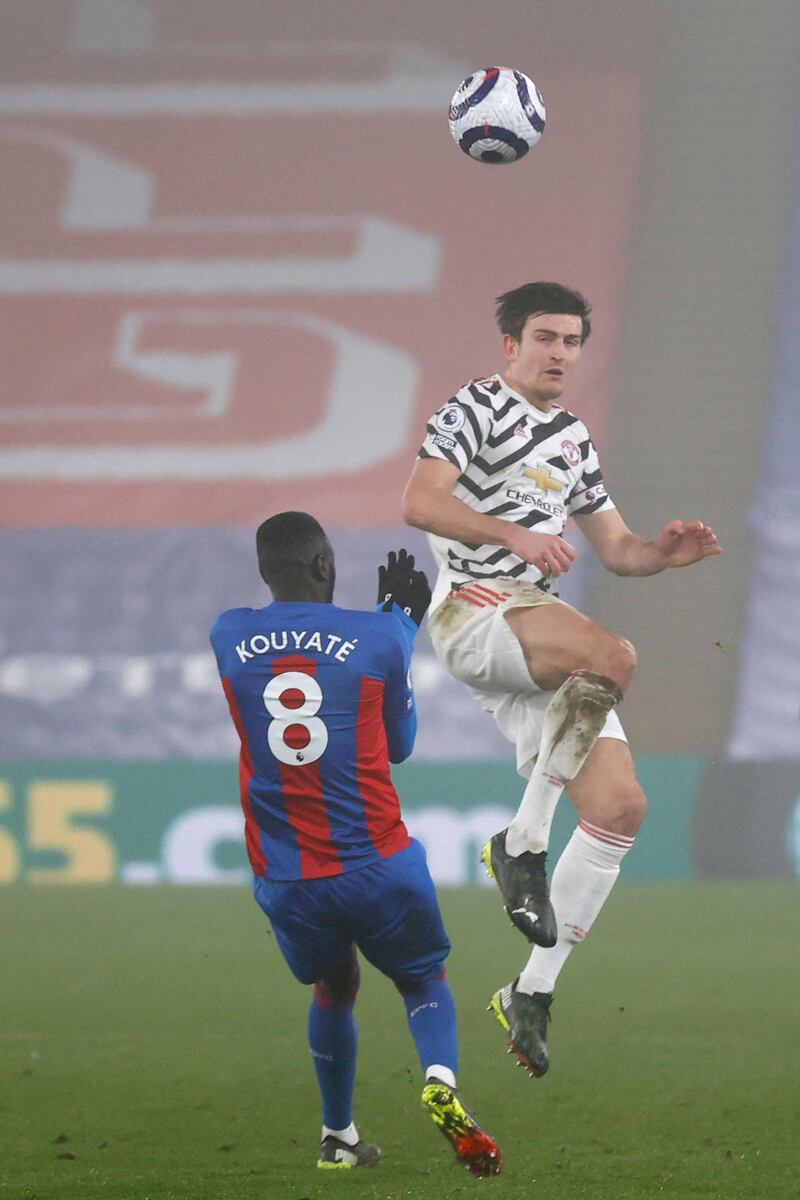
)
(432, 1020)
(333, 1039)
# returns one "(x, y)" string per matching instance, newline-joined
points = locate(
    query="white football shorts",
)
(475, 643)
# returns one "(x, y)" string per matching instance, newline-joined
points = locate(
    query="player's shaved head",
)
(295, 557)
(514, 308)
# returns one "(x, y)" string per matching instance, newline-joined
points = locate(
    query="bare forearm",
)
(634, 555)
(449, 517)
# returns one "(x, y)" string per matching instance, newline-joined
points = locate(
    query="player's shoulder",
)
(372, 621)
(577, 424)
(380, 630)
(479, 401)
(230, 619)
(485, 392)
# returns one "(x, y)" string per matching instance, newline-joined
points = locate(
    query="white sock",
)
(441, 1075)
(349, 1136)
(582, 882)
(572, 723)
(530, 828)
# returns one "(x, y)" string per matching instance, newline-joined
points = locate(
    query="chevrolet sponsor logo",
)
(543, 479)
(536, 501)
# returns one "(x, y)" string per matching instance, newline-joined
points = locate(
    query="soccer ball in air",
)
(497, 115)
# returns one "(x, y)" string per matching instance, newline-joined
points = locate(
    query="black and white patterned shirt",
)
(530, 467)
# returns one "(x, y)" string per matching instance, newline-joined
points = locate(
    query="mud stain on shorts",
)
(457, 611)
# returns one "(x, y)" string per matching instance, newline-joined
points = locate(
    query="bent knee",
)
(626, 810)
(634, 805)
(616, 658)
(619, 808)
(339, 987)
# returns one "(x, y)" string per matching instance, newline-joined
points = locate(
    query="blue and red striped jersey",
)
(322, 701)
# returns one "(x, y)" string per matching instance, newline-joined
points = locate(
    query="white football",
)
(497, 115)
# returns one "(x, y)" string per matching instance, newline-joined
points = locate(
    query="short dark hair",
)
(531, 299)
(289, 540)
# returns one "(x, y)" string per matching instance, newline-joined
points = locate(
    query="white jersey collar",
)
(531, 410)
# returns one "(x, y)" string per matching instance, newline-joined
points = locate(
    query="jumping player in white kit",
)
(502, 467)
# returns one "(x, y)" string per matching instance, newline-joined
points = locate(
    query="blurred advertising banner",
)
(220, 298)
(89, 822)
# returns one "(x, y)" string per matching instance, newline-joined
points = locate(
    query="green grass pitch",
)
(153, 1046)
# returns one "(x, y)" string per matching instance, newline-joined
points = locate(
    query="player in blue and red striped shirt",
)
(322, 701)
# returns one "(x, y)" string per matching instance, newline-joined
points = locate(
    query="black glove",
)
(400, 584)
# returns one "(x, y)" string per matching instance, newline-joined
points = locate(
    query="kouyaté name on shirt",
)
(269, 643)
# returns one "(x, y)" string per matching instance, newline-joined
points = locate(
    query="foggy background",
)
(242, 261)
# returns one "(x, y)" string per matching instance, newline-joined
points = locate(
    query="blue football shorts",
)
(388, 909)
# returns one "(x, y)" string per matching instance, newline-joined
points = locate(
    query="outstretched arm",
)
(679, 544)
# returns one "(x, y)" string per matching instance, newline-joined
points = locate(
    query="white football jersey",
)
(521, 464)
